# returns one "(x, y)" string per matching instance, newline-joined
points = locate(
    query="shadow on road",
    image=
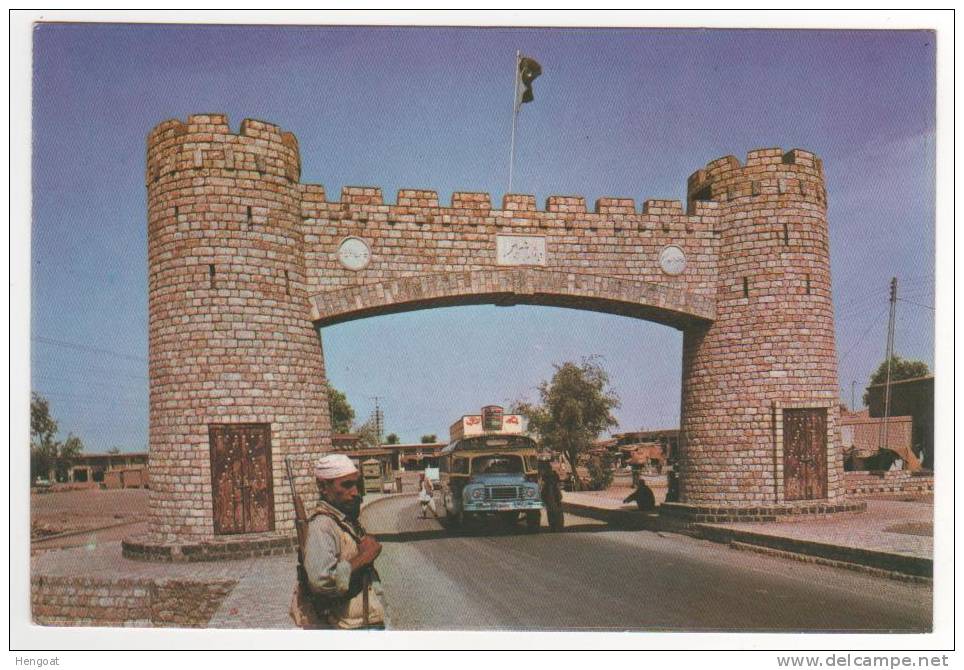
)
(493, 531)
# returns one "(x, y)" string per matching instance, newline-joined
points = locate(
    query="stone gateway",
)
(247, 263)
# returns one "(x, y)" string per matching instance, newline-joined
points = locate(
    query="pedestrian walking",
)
(426, 497)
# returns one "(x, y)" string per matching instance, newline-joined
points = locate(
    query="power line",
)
(861, 337)
(71, 366)
(112, 383)
(930, 307)
(83, 347)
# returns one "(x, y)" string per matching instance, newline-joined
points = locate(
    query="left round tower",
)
(237, 379)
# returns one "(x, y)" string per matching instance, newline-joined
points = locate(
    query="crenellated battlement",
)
(770, 171)
(479, 203)
(205, 141)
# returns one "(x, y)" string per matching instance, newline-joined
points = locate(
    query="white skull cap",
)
(333, 466)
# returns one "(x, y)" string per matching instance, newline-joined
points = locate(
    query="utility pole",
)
(378, 417)
(853, 390)
(890, 356)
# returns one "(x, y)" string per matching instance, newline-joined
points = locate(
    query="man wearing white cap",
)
(339, 585)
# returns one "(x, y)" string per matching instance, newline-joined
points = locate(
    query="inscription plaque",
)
(672, 260)
(353, 253)
(520, 250)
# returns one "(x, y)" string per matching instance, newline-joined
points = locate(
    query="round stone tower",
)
(236, 370)
(759, 398)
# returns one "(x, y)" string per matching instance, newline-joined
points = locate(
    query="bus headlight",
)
(477, 494)
(529, 492)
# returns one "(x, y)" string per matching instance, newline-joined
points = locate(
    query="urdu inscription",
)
(520, 250)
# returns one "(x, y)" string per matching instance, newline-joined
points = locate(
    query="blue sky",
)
(617, 112)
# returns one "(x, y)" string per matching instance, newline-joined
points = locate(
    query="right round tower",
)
(760, 390)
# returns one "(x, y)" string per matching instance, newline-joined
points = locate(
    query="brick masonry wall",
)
(244, 263)
(85, 601)
(866, 482)
(771, 346)
(230, 336)
(423, 253)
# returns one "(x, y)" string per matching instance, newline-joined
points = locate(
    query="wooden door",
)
(241, 478)
(805, 454)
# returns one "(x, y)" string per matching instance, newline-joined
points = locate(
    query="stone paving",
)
(891, 526)
(260, 599)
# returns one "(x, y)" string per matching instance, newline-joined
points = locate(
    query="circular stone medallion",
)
(353, 253)
(672, 260)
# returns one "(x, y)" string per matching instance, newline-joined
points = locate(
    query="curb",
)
(71, 533)
(881, 563)
(388, 496)
(806, 558)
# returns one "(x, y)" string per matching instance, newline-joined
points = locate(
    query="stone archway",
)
(245, 261)
(512, 286)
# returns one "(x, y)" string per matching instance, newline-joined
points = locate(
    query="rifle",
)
(301, 519)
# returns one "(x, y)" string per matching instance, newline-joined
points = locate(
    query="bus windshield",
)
(494, 464)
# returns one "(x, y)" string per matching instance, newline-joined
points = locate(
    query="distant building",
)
(913, 398)
(415, 456)
(867, 446)
(111, 470)
(412, 456)
(650, 449)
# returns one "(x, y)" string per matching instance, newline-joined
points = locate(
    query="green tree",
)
(575, 408)
(900, 368)
(600, 472)
(43, 442)
(391, 438)
(367, 433)
(429, 439)
(49, 457)
(342, 413)
(69, 449)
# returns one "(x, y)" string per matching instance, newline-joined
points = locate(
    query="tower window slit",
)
(287, 284)
(746, 288)
(786, 233)
(211, 274)
(808, 284)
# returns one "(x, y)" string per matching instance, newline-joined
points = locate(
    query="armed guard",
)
(338, 586)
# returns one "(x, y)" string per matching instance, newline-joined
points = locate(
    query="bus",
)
(489, 470)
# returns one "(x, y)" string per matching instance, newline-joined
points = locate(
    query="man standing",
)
(551, 492)
(337, 583)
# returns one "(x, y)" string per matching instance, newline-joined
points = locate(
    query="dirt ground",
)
(91, 510)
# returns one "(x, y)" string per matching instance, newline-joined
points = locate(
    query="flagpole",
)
(515, 115)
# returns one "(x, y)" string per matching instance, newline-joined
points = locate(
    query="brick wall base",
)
(232, 548)
(868, 482)
(85, 601)
(784, 512)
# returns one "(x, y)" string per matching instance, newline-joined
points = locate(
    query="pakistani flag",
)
(529, 69)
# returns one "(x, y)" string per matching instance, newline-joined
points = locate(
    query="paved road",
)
(593, 578)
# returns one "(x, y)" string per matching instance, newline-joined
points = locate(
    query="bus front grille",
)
(502, 492)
